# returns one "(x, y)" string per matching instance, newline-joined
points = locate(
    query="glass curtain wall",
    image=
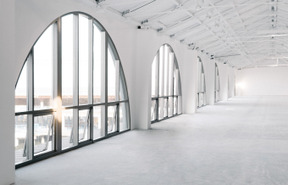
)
(201, 93)
(165, 85)
(216, 84)
(71, 90)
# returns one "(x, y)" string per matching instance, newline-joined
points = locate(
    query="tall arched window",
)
(216, 84)
(201, 93)
(71, 90)
(166, 85)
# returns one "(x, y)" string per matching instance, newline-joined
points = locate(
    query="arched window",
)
(71, 90)
(216, 84)
(165, 85)
(201, 93)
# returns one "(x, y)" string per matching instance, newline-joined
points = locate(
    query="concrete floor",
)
(242, 141)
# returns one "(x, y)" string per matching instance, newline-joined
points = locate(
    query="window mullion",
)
(117, 81)
(76, 78)
(58, 84)
(104, 85)
(91, 76)
(90, 62)
(30, 82)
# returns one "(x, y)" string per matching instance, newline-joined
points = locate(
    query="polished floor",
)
(238, 142)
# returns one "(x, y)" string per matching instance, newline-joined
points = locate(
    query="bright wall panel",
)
(262, 81)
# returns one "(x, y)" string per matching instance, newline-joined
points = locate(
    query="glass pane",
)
(123, 93)
(112, 119)
(43, 70)
(161, 108)
(179, 104)
(98, 122)
(199, 76)
(161, 71)
(171, 73)
(153, 110)
(84, 125)
(68, 71)
(83, 59)
(175, 105)
(165, 107)
(176, 82)
(98, 66)
(154, 77)
(123, 117)
(21, 153)
(170, 106)
(201, 101)
(111, 77)
(166, 69)
(43, 134)
(68, 135)
(21, 91)
(202, 82)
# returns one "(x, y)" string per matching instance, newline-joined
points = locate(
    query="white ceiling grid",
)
(243, 33)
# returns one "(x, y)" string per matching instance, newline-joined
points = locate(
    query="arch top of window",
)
(217, 69)
(79, 77)
(202, 66)
(96, 23)
(166, 94)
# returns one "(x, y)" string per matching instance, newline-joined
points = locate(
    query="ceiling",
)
(242, 33)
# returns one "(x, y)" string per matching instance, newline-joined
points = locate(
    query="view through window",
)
(216, 84)
(71, 90)
(201, 93)
(165, 85)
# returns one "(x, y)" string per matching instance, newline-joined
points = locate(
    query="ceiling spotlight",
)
(159, 29)
(99, 1)
(145, 21)
(142, 27)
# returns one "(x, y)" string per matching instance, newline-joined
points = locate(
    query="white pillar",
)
(7, 84)
(189, 83)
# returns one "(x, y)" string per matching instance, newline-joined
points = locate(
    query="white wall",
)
(189, 83)
(226, 73)
(231, 77)
(136, 49)
(209, 71)
(262, 81)
(7, 92)
(227, 76)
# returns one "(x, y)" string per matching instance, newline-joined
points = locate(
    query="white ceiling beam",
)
(239, 46)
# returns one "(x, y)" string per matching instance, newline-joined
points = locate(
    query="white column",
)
(8, 78)
(189, 77)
